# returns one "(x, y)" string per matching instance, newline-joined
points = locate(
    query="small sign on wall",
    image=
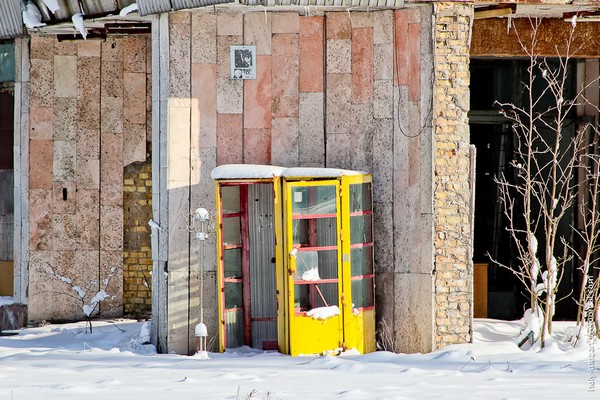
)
(243, 62)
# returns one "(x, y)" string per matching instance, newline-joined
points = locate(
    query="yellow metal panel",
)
(312, 336)
(220, 283)
(282, 331)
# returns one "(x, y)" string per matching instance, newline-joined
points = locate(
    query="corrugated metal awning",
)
(148, 7)
(11, 19)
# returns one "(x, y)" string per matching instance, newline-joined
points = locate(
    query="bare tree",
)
(89, 296)
(552, 165)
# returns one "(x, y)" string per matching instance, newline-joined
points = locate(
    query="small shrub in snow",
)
(87, 297)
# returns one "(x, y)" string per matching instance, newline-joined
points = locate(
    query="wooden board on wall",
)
(480, 290)
(494, 37)
(6, 278)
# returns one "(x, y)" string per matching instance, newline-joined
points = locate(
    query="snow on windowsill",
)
(323, 312)
(5, 300)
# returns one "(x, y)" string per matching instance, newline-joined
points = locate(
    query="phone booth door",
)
(313, 254)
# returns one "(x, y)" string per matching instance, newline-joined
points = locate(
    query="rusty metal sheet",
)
(495, 38)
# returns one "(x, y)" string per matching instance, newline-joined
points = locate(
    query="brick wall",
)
(453, 280)
(137, 254)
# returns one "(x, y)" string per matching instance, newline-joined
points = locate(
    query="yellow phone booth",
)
(295, 251)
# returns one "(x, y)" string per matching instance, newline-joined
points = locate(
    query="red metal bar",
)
(359, 245)
(313, 216)
(245, 265)
(234, 309)
(232, 246)
(232, 280)
(317, 248)
(331, 280)
(231, 215)
(222, 328)
(359, 277)
(359, 213)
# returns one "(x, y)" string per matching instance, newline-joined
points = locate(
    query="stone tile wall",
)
(339, 89)
(88, 119)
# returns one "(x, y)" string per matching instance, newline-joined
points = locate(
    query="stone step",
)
(12, 316)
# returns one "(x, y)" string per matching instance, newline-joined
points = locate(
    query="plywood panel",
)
(480, 290)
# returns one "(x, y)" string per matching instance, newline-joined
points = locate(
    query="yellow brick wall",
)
(453, 280)
(137, 254)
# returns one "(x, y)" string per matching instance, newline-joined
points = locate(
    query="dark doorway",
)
(492, 81)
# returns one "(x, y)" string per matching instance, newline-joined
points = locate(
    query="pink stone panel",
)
(111, 114)
(111, 269)
(111, 228)
(65, 68)
(285, 22)
(414, 64)
(339, 56)
(42, 47)
(134, 144)
(64, 163)
(88, 174)
(179, 60)
(229, 139)
(41, 89)
(311, 54)
(88, 199)
(112, 79)
(257, 146)
(204, 34)
(362, 20)
(65, 48)
(224, 44)
(383, 27)
(64, 196)
(257, 96)
(362, 65)
(65, 118)
(112, 49)
(284, 142)
(204, 104)
(111, 190)
(340, 148)
(230, 24)
(285, 77)
(134, 100)
(257, 32)
(88, 144)
(339, 88)
(338, 25)
(40, 219)
(112, 147)
(88, 92)
(179, 17)
(401, 59)
(65, 231)
(41, 123)
(134, 54)
(41, 155)
(88, 48)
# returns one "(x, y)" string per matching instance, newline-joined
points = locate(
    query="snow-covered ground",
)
(64, 362)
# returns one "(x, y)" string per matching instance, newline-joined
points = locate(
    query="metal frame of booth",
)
(295, 259)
